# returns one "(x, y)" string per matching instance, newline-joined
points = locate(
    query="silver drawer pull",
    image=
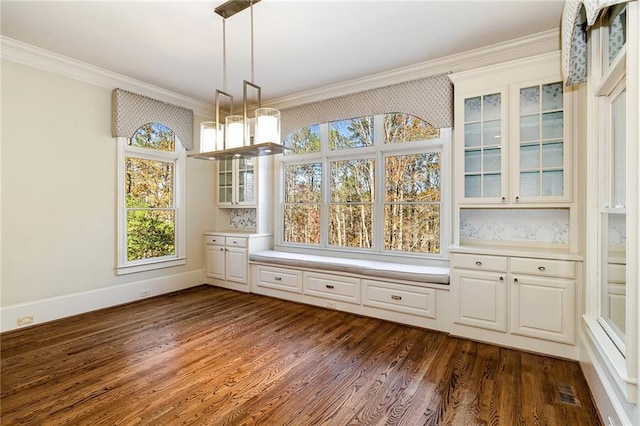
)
(329, 286)
(394, 297)
(541, 268)
(234, 242)
(478, 263)
(277, 278)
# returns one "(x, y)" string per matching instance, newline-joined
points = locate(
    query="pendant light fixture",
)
(231, 137)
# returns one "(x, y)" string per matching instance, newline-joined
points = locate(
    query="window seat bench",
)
(367, 268)
(409, 294)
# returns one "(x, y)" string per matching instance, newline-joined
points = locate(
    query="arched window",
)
(150, 198)
(368, 184)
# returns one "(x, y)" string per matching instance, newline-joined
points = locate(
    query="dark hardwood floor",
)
(212, 356)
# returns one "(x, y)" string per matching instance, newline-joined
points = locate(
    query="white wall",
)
(59, 193)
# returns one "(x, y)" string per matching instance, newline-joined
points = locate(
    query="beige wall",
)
(59, 189)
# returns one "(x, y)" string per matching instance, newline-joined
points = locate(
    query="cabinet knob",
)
(504, 199)
(221, 248)
(515, 281)
(478, 263)
(541, 268)
(501, 280)
(517, 199)
(235, 242)
(277, 278)
(394, 297)
(329, 286)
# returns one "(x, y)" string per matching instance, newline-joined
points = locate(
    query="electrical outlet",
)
(25, 320)
(145, 293)
(331, 305)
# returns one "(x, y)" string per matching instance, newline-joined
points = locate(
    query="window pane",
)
(150, 233)
(302, 183)
(352, 133)
(302, 223)
(303, 141)
(412, 177)
(350, 225)
(352, 180)
(148, 183)
(154, 136)
(400, 128)
(412, 228)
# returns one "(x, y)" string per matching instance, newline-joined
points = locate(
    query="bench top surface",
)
(420, 273)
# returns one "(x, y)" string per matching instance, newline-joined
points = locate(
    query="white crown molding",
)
(544, 42)
(26, 54)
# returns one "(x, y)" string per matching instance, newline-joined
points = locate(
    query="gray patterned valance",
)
(430, 99)
(577, 16)
(130, 111)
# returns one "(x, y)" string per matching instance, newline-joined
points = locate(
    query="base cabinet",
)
(227, 258)
(530, 297)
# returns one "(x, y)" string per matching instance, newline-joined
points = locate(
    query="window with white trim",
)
(151, 167)
(368, 184)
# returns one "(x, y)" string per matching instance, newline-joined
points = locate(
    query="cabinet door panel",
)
(479, 299)
(236, 265)
(215, 261)
(543, 308)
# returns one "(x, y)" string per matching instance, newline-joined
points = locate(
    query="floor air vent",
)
(566, 394)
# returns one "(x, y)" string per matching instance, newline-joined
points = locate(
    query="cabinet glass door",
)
(246, 181)
(225, 181)
(541, 140)
(483, 146)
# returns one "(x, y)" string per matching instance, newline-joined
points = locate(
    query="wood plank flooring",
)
(210, 356)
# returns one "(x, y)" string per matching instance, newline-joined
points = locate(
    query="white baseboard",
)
(72, 304)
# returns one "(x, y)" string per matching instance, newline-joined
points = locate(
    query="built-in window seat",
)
(410, 294)
(368, 268)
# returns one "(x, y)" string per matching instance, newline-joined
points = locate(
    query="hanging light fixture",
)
(232, 138)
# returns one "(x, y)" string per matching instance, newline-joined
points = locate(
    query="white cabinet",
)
(513, 295)
(237, 182)
(227, 258)
(512, 138)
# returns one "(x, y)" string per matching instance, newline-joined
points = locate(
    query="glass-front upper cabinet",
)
(484, 121)
(236, 182)
(540, 154)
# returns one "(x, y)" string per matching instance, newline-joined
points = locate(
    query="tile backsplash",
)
(242, 218)
(548, 226)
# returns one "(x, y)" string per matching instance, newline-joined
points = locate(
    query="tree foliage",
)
(411, 213)
(149, 191)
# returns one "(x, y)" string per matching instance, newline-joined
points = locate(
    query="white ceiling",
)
(300, 45)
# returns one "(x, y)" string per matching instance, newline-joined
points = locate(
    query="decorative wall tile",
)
(549, 226)
(617, 230)
(242, 218)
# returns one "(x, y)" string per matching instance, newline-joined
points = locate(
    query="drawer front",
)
(336, 287)
(236, 242)
(479, 262)
(400, 298)
(215, 240)
(280, 279)
(543, 267)
(616, 273)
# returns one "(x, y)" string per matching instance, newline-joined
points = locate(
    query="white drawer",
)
(400, 298)
(543, 267)
(479, 262)
(215, 240)
(236, 242)
(346, 289)
(280, 279)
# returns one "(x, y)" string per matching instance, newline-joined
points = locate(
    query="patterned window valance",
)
(130, 111)
(430, 99)
(577, 16)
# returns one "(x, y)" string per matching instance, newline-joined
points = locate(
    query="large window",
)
(369, 184)
(150, 193)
